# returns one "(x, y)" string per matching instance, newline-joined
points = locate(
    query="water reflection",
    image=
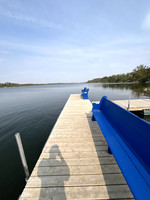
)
(32, 111)
(138, 89)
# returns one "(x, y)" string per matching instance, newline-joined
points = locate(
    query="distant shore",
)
(8, 84)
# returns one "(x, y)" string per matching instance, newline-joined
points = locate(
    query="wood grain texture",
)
(74, 163)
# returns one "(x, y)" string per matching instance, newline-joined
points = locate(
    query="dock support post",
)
(22, 155)
(129, 102)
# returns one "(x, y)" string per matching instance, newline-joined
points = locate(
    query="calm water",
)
(32, 111)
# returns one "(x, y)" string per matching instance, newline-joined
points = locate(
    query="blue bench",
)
(84, 93)
(128, 138)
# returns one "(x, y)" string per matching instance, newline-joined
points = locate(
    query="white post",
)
(22, 155)
(129, 102)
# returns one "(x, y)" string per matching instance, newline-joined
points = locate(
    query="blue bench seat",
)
(84, 93)
(128, 138)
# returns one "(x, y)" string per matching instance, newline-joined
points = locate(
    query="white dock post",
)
(22, 155)
(129, 102)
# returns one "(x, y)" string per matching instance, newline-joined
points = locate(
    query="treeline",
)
(8, 84)
(137, 89)
(139, 74)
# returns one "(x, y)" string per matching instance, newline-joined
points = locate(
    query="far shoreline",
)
(8, 84)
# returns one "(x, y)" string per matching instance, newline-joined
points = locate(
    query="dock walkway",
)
(74, 163)
(135, 104)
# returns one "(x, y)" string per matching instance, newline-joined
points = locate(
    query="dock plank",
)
(75, 170)
(135, 104)
(76, 180)
(76, 155)
(69, 193)
(74, 149)
(74, 163)
(85, 161)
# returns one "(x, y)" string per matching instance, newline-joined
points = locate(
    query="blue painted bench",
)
(84, 93)
(128, 138)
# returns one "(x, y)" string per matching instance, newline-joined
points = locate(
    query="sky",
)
(50, 41)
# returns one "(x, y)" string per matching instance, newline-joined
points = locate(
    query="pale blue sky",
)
(43, 41)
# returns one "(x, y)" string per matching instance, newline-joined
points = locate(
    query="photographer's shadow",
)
(53, 171)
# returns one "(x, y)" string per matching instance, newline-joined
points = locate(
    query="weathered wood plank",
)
(75, 170)
(86, 139)
(135, 104)
(76, 144)
(74, 149)
(76, 155)
(75, 163)
(80, 180)
(90, 193)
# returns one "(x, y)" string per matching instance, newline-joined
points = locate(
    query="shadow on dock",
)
(52, 175)
(115, 184)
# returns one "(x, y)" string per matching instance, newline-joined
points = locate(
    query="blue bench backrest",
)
(134, 131)
(84, 93)
(85, 89)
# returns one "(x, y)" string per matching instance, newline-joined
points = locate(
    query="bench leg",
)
(109, 150)
(93, 118)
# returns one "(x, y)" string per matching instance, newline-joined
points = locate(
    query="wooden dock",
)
(135, 104)
(74, 163)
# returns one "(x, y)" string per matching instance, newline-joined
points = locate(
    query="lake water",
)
(32, 111)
